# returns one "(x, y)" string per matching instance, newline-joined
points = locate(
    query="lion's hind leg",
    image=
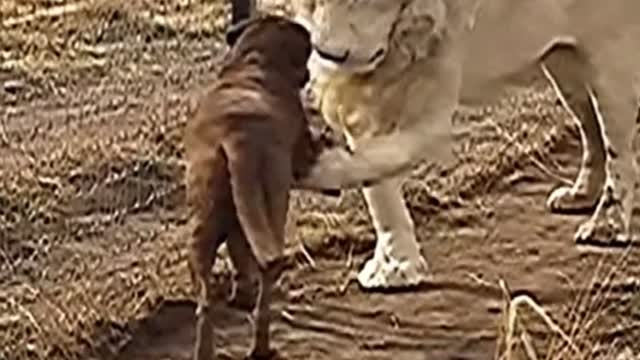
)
(600, 92)
(618, 107)
(567, 70)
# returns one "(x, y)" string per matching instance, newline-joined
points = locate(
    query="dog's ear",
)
(236, 30)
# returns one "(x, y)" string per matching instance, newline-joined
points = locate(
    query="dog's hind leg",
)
(567, 70)
(247, 163)
(260, 347)
(208, 234)
(276, 184)
(260, 180)
(247, 274)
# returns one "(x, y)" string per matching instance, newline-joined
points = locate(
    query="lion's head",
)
(357, 36)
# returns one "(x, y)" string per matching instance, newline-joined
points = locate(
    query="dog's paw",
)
(261, 354)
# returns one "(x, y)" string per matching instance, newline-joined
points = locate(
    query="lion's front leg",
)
(375, 159)
(397, 261)
(611, 221)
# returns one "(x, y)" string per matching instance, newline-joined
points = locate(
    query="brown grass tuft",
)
(579, 334)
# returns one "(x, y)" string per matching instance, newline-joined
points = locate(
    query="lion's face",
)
(349, 35)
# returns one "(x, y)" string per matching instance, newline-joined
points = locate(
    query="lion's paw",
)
(607, 225)
(568, 199)
(389, 273)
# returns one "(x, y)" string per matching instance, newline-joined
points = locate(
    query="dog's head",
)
(279, 41)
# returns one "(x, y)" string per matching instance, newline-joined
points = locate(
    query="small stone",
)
(157, 69)
(13, 86)
(97, 51)
(627, 354)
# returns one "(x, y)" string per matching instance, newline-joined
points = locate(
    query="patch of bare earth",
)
(93, 98)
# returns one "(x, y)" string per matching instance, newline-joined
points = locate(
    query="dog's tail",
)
(244, 164)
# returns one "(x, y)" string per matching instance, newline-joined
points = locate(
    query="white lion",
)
(389, 74)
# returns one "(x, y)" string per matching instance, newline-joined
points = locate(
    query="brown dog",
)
(246, 142)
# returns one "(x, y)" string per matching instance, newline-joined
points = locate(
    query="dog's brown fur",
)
(244, 146)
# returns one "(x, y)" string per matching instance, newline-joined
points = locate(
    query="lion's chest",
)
(358, 109)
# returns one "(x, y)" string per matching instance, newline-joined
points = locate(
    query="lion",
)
(390, 73)
(245, 144)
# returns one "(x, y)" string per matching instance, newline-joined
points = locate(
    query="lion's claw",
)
(567, 199)
(606, 225)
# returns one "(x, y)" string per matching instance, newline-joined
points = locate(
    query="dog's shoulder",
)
(237, 95)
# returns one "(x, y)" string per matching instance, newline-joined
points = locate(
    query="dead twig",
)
(528, 152)
(26, 314)
(528, 345)
(287, 316)
(512, 314)
(307, 255)
(4, 138)
(349, 261)
(348, 279)
(53, 11)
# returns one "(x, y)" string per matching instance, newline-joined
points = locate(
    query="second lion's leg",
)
(397, 261)
(618, 106)
(566, 70)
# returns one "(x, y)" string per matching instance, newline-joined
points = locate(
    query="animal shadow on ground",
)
(169, 332)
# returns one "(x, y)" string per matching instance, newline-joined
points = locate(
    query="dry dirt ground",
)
(92, 224)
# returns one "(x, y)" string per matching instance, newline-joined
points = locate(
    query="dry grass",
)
(579, 334)
(78, 264)
(64, 186)
(91, 224)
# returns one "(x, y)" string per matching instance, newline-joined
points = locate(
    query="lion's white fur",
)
(396, 109)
